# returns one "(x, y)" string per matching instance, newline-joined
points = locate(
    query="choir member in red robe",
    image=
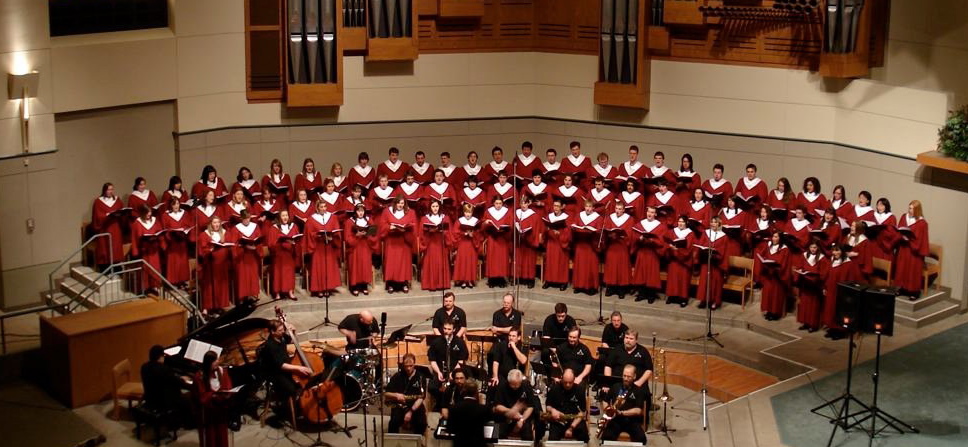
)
(394, 168)
(679, 253)
(862, 210)
(323, 240)
(450, 170)
(246, 257)
(577, 165)
(360, 234)
(309, 178)
(266, 211)
(759, 230)
(586, 234)
(687, 180)
(209, 181)
(362, 174)
(423, 172)
(842, 269)
(301, 208)
(355, 198)
(883, 231)
(497, 223)
(467, 240)
(632, 168)
(502, 188)
(781, 201)
(666, 203)
(339, 178)
(648, 246)
(525, 164)
(203, 214)
(283, 239)
(601, 197)
(442, 192)
(412, 192)
(211, 387)
(551, 168)
(810, 270)
(912, 247)
(717, 189)
(859, 249)
(147, 243)
(715, 268)
(751, 189)
(568, 194)
(435, 247)
(141, 195)
(178, 227)
(797, 230)
(734, 221)
(812, 199)
(107, 213)
(557, 246)
(827, 230)
(840, 204)
(175, 190)
(537, 191)
(214, 264)
(632, 198)
(659, 172)
(334, 202)
(232, 210)
(469, 169)
(279, 182)
(246, 182)
(699, 211)
(605, 171)
(473, 195)
(772, 271)
(489, 173)
(397, 233)
(380, 196)
(618, 245)
(528, 232)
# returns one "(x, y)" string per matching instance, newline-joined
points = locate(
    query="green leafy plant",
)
(953, 137)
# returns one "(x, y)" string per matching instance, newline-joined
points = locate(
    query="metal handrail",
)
(50, 277)
(21, 312)
(121, 267)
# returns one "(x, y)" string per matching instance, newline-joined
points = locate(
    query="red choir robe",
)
(200, 188)
(334, 204)
(654, 172)
(476, 198)
(557, 243)
(379, 199)
(397, 233)
(214, 266)
(569, 198)
(603, 201)
(634, 203)
(648, 246)
(772, 271)
(462, 173)
(524, 167)
(183, 197)
(883, 235)
(300, 212)
(247, 257)
(232, 211)
(360, 175)
(842, 208)
(146, 197)
(178, 228)
(148, 243)
(607, 172)
(359, 250)
(106, 217)
(912, 247)
(826, 234)
(251, 189)
(467, 239)
(323, 239)
(578, 167)
(781, 210)
(718, 241)
(505, 192)
(285, 251)
(423, 174)
(814, 203)
(497, 225)
(840, 271)
(629, 170)
(214, 413)
(686, 185)
(734, 225)
(586, 231)
(717, 191)
(489, 172)
(527, 226)
(414, 194)
(797, 232)
(698, 215)
(435, 246)
(679, 268)
(811, 276)
(348, 203)
(452, 175)
(266, 213)
(860, 253)
(280, 186)
(758, 233)
(667, 206)
(538, 195)
(747, 189)
(618, 243)
(202, 215)
(395, 172)
(551, 173)
(339, 181)
(445, 194)
(310, 182)
(862, 213)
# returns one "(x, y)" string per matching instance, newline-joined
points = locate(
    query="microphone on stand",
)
(383, 324)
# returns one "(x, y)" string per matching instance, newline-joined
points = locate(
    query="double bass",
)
(320, 398)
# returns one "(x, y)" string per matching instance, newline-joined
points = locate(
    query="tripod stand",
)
(843, 415)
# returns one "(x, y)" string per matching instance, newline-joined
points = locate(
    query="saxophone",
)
(565, 417)
(408, 398)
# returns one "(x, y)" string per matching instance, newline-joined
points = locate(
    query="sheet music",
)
(197, 349)
(174, 350)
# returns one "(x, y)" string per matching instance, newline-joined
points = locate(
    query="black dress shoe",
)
(530, 285)
(702, 305)
(803, 327)
(563, 287)
(575, 291)
(812, 330)
(545, 285)
(651, 299)
(639, 298)
(683, 303)
(621, 296)
(669, 300)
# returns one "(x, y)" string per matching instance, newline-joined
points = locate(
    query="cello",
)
(320, 398)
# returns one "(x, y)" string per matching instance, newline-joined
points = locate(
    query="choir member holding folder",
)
(334, 202)
(576, 164)
(284, 241)
(394, 168)
(633, 168)
(147, 242)
(750, 190)
(397, 233)
(266, 211)
(717, 188)
(338, 178)
(912, 247)
(648, 245)
(107, 214)
(204, 212)
(443, 192)
(781, 201)
(840, 204)
(810, 271)
(489, 173)
(309, 178)
(687, 180)
(380, 196)
(178, 230)
(525, 163)
(759, 231)
(412, 192)
(527, 227)
(362, 174)
(557, 246)
(797, 231)
(245, 182)
(141, 195)
(467, 243)
(811, 199)
(714, 244)
(858, 249)
(214, 266)
(828, 229)
(601, 197)
(473, 195)
(209, 181)
(772, 270)
(435, 249)
(360, 235)
(698, 212)
(842, 269)
(232, 210)
(659, 173)
(501, 188)
(301, 208)
(665, 202)
(883, 231)
(278, 182)
(423, 172)
(324, 241)
(605, 171)
(247, 256)
(632, 199)
(175, 190)
(733, 222)
(617, 240)
(679, 253)
(568, 194)
(586, 233)
(498, 220)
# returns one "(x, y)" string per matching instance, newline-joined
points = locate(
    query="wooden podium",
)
(80, 349)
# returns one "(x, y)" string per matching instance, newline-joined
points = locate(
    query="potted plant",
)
(953, 136)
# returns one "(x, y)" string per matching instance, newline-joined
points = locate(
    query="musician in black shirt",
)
(505, 318)
(565, 398)
(631, 353)
(451, 312)
(274, 360)
(507, 356)
(406, 393)
(628, 418)
(516, 407)
(452, 395)
(613, 332)
(557, 324)
(358, 329)
(574, 355)
(163, 387)
(445, 353)
(469, 417)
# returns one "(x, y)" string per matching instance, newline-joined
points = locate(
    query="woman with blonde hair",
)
(912, 246)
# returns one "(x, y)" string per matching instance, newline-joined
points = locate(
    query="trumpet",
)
(662, 373)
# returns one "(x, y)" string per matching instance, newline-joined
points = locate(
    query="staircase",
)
(88, 288)
(932, 307)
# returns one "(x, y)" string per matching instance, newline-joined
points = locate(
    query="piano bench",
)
(156, 419)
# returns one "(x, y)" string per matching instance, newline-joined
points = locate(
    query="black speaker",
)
(850, 295)
(879, 307)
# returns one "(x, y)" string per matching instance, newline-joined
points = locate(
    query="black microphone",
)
(383, 318)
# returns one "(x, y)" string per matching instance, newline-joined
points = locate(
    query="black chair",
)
(157, 419)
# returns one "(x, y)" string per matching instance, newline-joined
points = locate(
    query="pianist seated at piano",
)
(405, 395)
(163, 389)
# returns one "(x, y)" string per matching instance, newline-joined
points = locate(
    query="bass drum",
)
(350, 386)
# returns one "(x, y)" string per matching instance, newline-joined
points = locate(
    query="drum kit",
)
(360, 372)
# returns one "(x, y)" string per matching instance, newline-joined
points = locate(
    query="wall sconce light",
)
(23, 87)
